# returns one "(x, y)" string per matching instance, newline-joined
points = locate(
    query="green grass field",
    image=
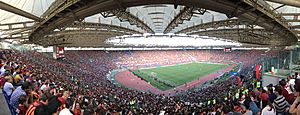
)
(177, 74)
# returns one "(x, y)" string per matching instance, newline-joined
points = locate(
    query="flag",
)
(257, 71)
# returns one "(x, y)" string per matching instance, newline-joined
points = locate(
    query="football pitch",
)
(168, 77)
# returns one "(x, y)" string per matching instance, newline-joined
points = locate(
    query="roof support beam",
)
(125, 16)
(53, 20)
(296, 27)
(290, 14)
(293, 20)
(99, 26)
(185, 14)
(216, 24)
(18, 31)
(7, 24)
(133, 20)
(243, 35)
(12, 9)
(295, 3)
(279, 7)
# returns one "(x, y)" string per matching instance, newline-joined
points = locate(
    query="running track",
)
(129, 80)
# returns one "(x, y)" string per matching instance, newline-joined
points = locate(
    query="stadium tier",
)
(83, 80)
(149, 57)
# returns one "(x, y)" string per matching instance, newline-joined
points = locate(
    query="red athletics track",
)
(129, 80)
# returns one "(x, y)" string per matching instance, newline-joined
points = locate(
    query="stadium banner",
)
(257, 71)
(58, 52)
(227, 49)
(232, 73)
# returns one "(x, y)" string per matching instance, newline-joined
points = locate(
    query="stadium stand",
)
(78, 85)
(149, 57)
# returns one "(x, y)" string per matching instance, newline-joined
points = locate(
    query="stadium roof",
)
(96, 27)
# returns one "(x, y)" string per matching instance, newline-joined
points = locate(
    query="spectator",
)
(63, 99)
(8, 87)
(27, 76)
(21, 90)
(237, 109)
(77, 110)
(290, 84)
(49, 108)
(264, 98)
(18, 80)
(34, 97)
(66, 110)
(247, 107)
(2, 70)
(253, 107)
(295, 108)
(280, 103)
(21, 110)
(2, 81)
(271, 93)
(288, 96)
(17, 71)
(269, 109)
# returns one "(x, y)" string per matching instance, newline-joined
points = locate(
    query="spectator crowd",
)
(36, 84)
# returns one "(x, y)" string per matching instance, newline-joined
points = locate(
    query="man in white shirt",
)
(269, 110)
(45, 86)
(66, 110)
(290, 85)
(8, 87)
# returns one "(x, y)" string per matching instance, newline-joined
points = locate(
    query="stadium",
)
(154, 57)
